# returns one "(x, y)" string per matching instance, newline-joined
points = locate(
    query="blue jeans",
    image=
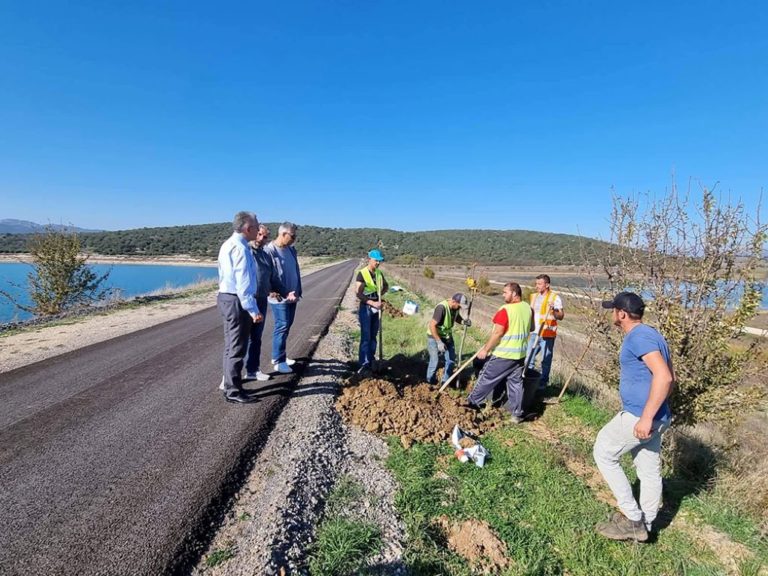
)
(434, 357)
(254, 339)
(284, 313)
(369, 330)
(546, 347)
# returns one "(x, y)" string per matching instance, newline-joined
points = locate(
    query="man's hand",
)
(291, 297)
(440, 346)
(467, 322)
(275, 296)
(375, 304)
(257, 318)
(481, 354)
(643, 428)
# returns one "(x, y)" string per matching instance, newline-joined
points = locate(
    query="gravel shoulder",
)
(270, 527)
(271, 522)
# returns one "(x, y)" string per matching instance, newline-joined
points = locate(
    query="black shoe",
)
(240, 398)
(365, 371)
(471, 406)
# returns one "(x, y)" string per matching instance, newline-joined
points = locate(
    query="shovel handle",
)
(456, 374)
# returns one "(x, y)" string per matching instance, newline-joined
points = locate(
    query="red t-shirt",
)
(502, 319)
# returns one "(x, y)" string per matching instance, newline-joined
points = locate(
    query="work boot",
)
(365, 371)
(619, 527)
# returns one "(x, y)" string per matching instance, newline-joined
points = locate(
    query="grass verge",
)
(344, 543)
(542, 510)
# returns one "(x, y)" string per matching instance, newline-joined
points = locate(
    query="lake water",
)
(130, 279)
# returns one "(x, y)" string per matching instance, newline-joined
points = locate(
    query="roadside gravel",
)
(270, 528)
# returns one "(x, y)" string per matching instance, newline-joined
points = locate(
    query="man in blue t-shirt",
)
(646, 381)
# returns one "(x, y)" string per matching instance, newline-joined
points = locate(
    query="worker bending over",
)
(440, 334)
(506, 346)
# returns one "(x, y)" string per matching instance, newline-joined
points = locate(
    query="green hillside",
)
(518, 247)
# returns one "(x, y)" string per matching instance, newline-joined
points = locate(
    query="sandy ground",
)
(42, 342)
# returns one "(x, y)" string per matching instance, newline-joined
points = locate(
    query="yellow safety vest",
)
(514, 342)
(444, 330)
(550, 326)
(371, 285)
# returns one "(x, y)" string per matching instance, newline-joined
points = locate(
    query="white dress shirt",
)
(237, 272)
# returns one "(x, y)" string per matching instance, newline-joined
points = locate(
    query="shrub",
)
(696, 266)
(61, 277)
(429, 273)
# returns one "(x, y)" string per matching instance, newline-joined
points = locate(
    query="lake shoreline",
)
(182, 260)
(34, 341)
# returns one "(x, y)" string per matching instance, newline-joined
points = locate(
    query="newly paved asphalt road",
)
(118, 458)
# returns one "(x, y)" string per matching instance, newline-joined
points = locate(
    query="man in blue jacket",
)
(286, 265)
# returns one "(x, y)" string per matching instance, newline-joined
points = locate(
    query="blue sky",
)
(405, 115)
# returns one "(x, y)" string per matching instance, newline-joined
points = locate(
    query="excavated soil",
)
(391, 310)
(414, 412)
(476, 542)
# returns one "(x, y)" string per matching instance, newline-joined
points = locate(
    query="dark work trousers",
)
(496, 371)
(237, 326)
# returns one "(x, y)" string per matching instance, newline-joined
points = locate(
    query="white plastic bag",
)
(410, 307)
(476, 453)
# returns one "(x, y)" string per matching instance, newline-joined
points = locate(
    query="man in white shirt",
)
(547, 308)
(237, 301)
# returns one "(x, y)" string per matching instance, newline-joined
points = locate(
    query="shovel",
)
(456, 373)
(381, 325)
(464, 331)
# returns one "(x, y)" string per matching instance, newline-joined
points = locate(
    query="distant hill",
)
(11, 226)
(518, 247)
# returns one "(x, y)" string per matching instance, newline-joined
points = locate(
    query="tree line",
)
(511, 247)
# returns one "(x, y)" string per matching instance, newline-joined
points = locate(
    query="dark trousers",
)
(237, 326)
(497, 371)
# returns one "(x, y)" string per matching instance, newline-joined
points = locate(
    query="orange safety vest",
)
(550, 325)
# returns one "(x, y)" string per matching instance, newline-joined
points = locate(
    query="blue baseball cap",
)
(376, 255)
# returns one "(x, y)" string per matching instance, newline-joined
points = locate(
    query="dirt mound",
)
(476, 542)
(412, 412)
(392, 311)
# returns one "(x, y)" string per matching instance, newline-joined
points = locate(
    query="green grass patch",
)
(343, 542)
(219, 556)
(543, 514)
(587, 413)
(343, 546)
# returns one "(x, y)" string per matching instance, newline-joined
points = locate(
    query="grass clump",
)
(343, 546)
(344, 542)
(220, 555)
